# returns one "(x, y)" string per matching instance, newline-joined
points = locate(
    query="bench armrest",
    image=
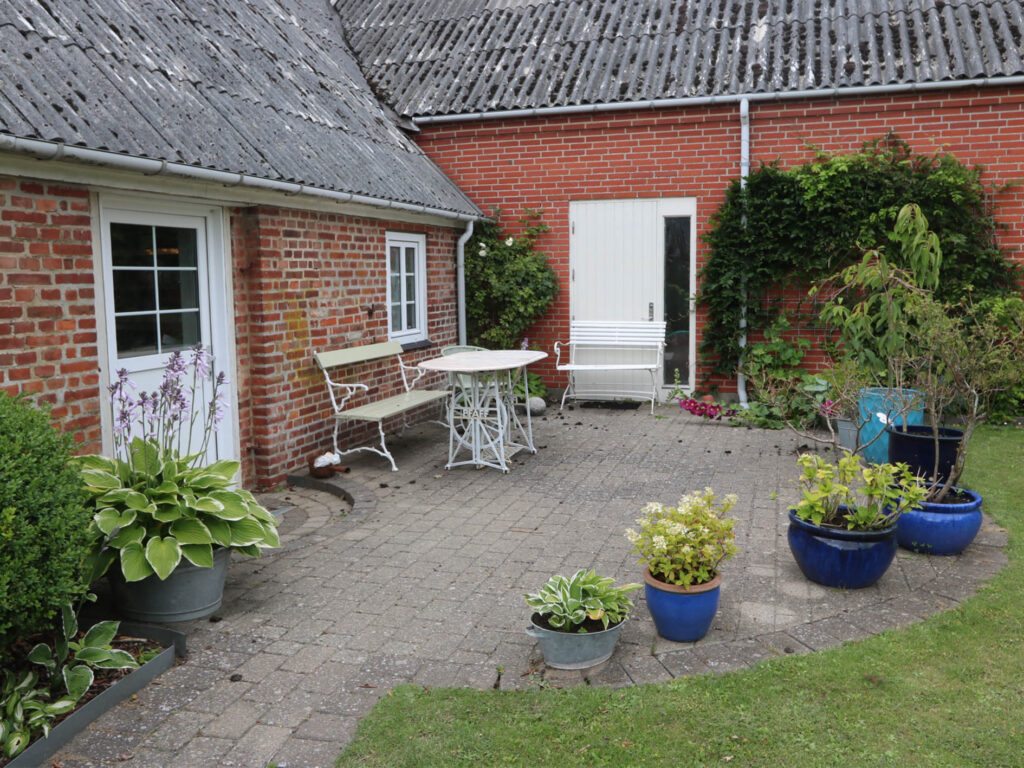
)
(558, 352)
(405, 379)
(345, 392)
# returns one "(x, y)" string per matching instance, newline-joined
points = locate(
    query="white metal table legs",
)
(478, 422)
(516, 428)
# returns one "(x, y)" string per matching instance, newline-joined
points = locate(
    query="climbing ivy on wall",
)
(797, 226)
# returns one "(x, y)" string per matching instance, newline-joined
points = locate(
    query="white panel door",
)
(164, 291)
(617, 256)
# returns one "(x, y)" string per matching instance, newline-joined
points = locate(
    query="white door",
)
(633, 260)
(164, 291)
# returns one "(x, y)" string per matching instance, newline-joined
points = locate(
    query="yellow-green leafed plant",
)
(685, 544)
(157, 501)
(566, 603)
(855, 496)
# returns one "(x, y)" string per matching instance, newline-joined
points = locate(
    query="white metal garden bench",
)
(612, 345)
(396, 405)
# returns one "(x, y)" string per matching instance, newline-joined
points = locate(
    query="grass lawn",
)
(946, 692)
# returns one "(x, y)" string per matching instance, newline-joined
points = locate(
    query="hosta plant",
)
(684, 545)
(157, 501)
(855, 496)
(31, 700)
(567, 603)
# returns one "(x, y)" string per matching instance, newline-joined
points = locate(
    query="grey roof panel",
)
(261, 87)
(429, 57)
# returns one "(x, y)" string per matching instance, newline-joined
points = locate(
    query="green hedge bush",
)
(44, 522)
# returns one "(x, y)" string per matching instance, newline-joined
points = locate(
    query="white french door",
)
(164, 291)
(634, 260)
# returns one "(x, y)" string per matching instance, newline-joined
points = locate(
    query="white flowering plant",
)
(684, 545)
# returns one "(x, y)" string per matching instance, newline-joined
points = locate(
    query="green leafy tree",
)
(509, 284)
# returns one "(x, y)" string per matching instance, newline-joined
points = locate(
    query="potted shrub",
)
(869, 308)
(577, 620)
(682, 548)
(168, 518)
(842, 533)
(968, 354)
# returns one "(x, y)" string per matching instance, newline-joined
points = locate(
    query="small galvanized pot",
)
(572, 650)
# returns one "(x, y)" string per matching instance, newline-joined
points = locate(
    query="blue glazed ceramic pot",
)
(941, 529)
(915, 447)
(682, 614)
(836, 557)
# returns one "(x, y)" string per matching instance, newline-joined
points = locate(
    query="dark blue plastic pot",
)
(915, 447)
(875, 400)
(682, 614)
(840, 558)
(941, 529)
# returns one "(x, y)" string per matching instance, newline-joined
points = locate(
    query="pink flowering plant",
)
(685, 544)
(158, 501)
(711, 410)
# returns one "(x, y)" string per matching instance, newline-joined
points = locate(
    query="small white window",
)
(407, 286)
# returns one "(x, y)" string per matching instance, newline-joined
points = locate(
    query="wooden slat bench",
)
(638, 346)
(396, 405)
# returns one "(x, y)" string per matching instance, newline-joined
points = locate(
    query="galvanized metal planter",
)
(572, 650)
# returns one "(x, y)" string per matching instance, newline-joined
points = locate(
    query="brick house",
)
(208, 172)
(625, 121)
(275, 151)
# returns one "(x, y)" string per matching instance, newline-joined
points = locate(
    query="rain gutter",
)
(729, 98)
(49, 150)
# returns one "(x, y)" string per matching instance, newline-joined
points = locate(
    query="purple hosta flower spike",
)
(200, 361)
(526, 343)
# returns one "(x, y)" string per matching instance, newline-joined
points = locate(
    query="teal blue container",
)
(891, 402)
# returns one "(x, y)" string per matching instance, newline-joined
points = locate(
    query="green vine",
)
(509, 284)
(795, 227)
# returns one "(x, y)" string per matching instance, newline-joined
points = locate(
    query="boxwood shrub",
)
(43, 521)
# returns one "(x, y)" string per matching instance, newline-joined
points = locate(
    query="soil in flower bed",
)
(142, 649)
(589, 624)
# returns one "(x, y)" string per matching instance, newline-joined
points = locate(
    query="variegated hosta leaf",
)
(77, 679)
(167, 513)
(225, 469)
(233, 507)
(190, 531)
(109, 519)
(245, 532)
(219, 530)
(99, 480)
(198, 554)
(134, 564)
(207, 504)
(132, 533)
(163, 554)
(101, 633)
(116, 659)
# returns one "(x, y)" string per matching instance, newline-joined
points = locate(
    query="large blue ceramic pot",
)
(840, 558)
(942, 529)
(682, 614)
(875, 400)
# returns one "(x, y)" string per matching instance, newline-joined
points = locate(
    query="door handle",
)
(650, 312)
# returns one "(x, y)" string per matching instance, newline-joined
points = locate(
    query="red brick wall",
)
(545, 163)
(47, 303)
(304, 281)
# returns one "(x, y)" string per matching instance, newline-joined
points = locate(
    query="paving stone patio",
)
(418, 575)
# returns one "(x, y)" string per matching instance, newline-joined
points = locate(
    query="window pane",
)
(677, 298)
(410, 316)
(131, 245)
(178, 290)
(175, 247)
(410, 288)
(410, 261)
(136, 335)
(396, 256)
(396, 316)
(133, 290)
(396, 288)
(178, 330)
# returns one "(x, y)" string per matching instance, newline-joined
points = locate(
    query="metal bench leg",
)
(569, 386)
(382, 451)
(654, 390)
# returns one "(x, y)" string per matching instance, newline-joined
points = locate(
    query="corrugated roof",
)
(261, 87)
(437, 57)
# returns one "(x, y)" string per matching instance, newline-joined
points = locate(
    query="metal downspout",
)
(741, 380)
(460, 279)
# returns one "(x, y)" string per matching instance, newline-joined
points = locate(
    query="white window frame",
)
(419, 242)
